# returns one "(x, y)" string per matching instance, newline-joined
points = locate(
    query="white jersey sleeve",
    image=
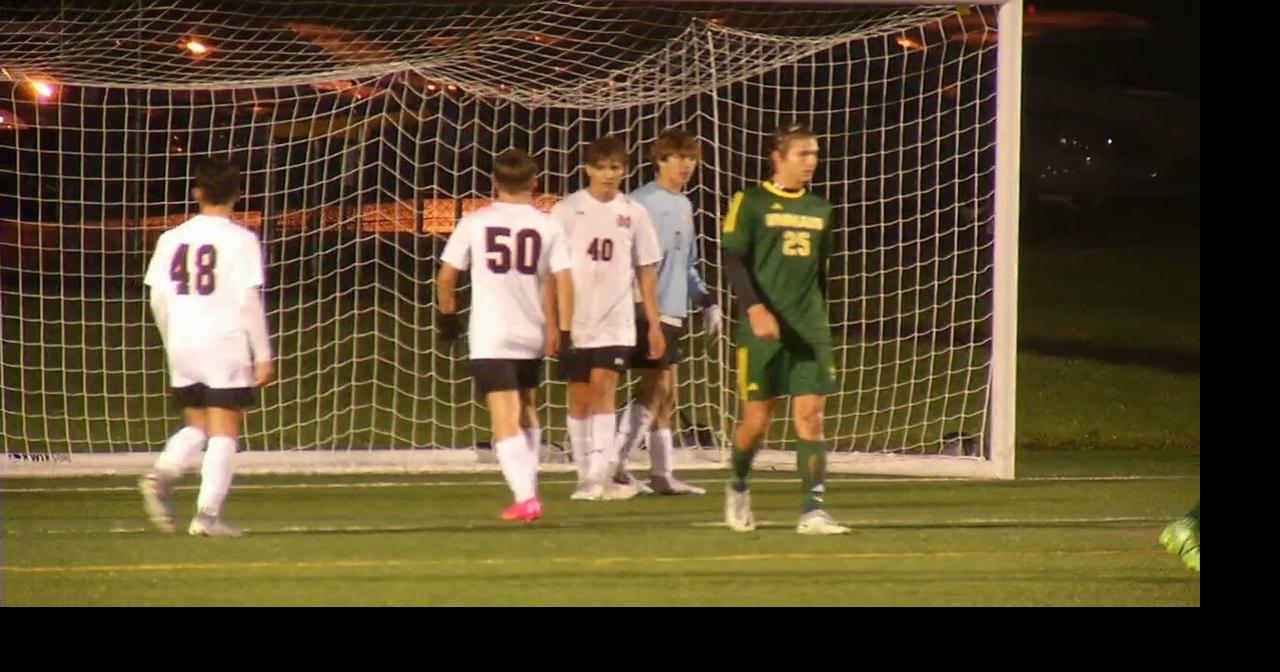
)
(559, 257)
(251, 273)
(457, 252)
(558, 212)
(646, 251)
(158, 269)
(561, 215)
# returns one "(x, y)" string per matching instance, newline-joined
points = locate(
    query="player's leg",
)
(1182, 538)
(531, 429)
(811, 462)
(501, 382)
(577, 373)
(579, 423)
(604, 447)
(756, 416)
(662, 443)
(810, 379)
(756, 390)
(180, 450)
(184, 445)
(528, 377)
(633, 425)
(512, 448)
(637, 420)
(223, 417)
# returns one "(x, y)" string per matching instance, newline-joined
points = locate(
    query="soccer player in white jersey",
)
(513, 250)
(675, 154)
(205, 278)
(612, 243)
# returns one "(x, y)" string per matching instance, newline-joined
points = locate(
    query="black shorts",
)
(640, 357)
(203, 396)
(498, 375)
(576, 365)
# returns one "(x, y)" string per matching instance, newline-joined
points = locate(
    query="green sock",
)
(811, 461)
(741, 463)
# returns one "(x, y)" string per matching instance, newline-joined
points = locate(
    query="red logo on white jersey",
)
(624, 221)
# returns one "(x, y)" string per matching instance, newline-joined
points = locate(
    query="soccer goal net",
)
(367, 129)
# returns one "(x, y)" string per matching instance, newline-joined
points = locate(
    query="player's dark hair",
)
(218, 182)
(513, 171)
(608, 148)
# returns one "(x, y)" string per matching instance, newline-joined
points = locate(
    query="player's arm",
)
(253, 314)
(649, 292)
(564, 297)
(646, 255)
(155, 280)
(160, 311)
(455, 259)
(254, 318)
(737, 236)
(826, 248)
(711, 317)
(447, 289)
(698, 290)
(558, 297)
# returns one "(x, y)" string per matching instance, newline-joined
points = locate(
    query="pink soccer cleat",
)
(529, 510)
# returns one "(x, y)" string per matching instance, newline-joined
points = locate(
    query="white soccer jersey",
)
(608, 242)
(206, 266)
(515, 248)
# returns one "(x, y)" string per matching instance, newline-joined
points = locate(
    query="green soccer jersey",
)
(785, 239)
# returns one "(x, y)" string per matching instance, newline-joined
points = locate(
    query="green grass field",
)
(1071, 531)
(1109, 451)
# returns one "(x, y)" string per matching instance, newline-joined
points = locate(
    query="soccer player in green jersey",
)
(776, 240)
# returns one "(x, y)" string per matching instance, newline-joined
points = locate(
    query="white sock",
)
(631, 433)
(215, 474)
(604, 449)
(180, 451)
(624, 425)
(513, 455)
(533, 437)
(580, 442)
(661, 461)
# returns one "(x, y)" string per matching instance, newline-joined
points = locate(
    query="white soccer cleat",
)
(737, 510)
(670, 485)
(157, 499)
(588, 492)
(819, 523)
(615, 492)
(625, 478)
(207, 526)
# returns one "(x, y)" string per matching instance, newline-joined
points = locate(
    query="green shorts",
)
(771, 369)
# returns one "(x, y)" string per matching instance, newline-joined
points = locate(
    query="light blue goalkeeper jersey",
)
(678, 278)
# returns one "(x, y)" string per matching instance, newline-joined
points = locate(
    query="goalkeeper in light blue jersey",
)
(675, 155)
